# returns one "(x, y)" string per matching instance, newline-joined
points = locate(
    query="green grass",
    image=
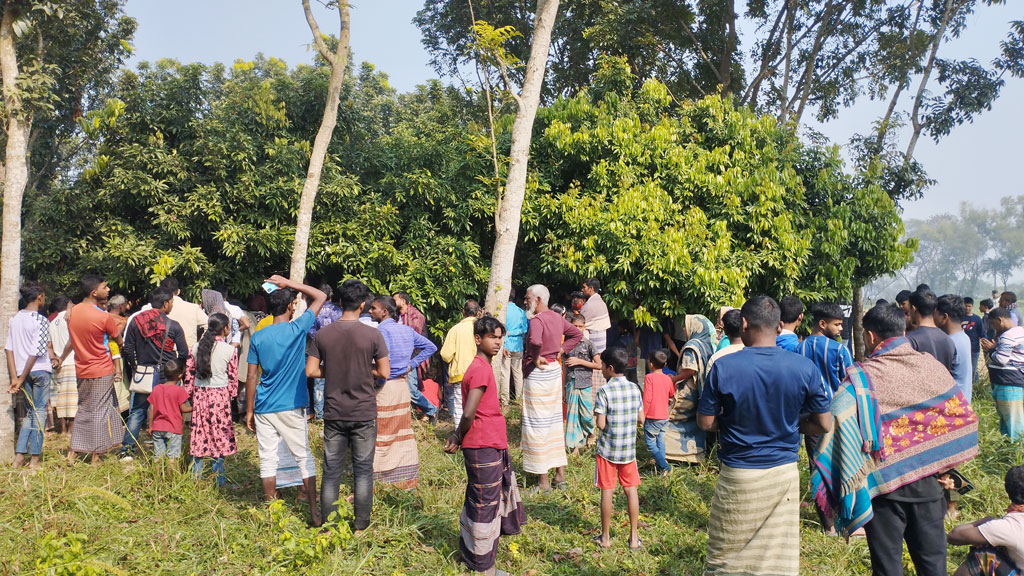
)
(139, 519)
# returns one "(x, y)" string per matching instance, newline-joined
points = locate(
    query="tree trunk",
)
(925, 76)
(857, 323)
(15, 177)
(725, 64)
(338, 63)
(510, 210)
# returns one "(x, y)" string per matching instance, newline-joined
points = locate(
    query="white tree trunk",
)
(338, 62)
(510, 210)
(15, 177)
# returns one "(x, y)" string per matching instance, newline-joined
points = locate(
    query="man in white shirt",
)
(189, 315)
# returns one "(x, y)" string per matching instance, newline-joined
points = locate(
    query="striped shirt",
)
(402, 341)
(1009, 350)
(830, 357)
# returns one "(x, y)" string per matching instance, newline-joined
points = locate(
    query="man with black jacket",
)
(151, 339)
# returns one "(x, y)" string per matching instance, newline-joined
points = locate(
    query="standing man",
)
(327, 315)
(98, 426)
(792, 315)
(972, 326)
(903, 301)
(350, 354)
(1008, 300)
(189, 316)
(927, 337)
(396, 460)
(596, 313)
(543, 435)
(30, 367)
(759, 399)
(409, 315)
(510, 366)
(900, 422)
(949, 315)
(459, 350)
(150, 340)
(986, 306)
(276, 396)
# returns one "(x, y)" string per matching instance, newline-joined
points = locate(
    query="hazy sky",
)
(979, 163)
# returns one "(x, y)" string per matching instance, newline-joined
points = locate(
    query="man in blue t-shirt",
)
(791, 313)
(276, 396)
(760, 399)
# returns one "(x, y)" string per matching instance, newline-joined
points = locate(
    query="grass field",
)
(137, 518)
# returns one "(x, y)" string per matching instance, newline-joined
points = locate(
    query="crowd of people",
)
(884, 436)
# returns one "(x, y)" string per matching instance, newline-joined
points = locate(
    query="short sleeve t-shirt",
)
(963, 369)
(658, 391)
(488, 428)
(280, 352)
(759, 394)
(582, 377)
(166, 401)
(89, 328)
(1007, 532)
(27, 337)
(973, 327)
(931, 340)
(348, 349)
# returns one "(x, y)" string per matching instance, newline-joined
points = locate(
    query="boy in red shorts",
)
(619, 410)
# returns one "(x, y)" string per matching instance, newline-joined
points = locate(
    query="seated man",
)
(997, 545)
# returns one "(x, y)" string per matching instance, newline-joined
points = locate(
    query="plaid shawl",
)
(152, 326)
(899, 417)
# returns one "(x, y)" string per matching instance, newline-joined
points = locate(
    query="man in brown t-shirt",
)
(349, 355)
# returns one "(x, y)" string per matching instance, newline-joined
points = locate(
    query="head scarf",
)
(700, 335)
(213, 302)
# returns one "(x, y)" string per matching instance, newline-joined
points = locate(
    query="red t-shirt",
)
(166, 400)
(488, 428)
(658, 391)
(430, 392)
(87, 327)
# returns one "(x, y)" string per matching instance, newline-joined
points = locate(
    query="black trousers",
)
(920, 524)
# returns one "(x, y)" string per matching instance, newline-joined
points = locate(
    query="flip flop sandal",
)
(563, 485)
(639, 545)
(597, 540)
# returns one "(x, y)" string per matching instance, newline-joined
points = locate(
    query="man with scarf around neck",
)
(151, 339)
(901, 422)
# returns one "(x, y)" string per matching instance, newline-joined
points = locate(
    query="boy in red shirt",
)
(658, 393)
(169, 401)
(492, 506)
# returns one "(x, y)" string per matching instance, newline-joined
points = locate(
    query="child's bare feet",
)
(603, 540)
(635, 543)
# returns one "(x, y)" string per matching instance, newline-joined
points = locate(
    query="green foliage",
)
(301, 547)
(64, 556)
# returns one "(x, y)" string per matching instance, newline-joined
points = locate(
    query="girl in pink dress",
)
(211, 377)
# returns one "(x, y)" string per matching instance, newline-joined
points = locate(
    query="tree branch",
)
(318, 38)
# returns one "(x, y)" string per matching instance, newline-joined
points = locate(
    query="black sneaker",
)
(432, 420)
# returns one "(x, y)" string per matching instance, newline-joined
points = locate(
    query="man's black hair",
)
(173, 369)
(472, 308)
(30, 291)
(159, 297)
(1014, 484)
(488, 325)
(351, 294)
(903, 296)
(403, 296)
(368, 302)
(952, 306)
(658, 358)
(577, 295)
(997, 313)
(732, 325)
(968, 300)
(1009, 296)
(616, 358)
(593, 283)
(881, 301)
(987, 303)
(827, 311)
(924, 302)
(790, 308)
(512, 294)
(89, 283)
(886, 321)
(388, 303)
(761, 312)
(278, 301)
(59, 304)
(326, 289)
(923, 287)
(171, 283)
(558, 309)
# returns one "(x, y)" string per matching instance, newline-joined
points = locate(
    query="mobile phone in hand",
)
(269, 287)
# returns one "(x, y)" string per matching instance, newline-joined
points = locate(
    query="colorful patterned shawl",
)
(899, 417)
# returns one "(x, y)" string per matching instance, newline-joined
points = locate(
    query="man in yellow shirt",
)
(458, 351)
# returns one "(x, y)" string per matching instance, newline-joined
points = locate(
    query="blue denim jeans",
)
(340, 438)
(417, 397)
(37, 395)
(216, 465)
(318, 398)
(654, 437)
(166, 443)
(137, 414)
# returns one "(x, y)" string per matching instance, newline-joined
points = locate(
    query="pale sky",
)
(979, 163)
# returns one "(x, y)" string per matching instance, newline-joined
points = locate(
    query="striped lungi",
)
(754, 526)
(492, 507)
(396, 459)
(1010, 407)
(64, 393)
(543, 437)
(98, 424)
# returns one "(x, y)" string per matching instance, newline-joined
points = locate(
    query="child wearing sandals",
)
(619, 409)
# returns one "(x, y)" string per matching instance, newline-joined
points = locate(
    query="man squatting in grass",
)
(492, 505)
